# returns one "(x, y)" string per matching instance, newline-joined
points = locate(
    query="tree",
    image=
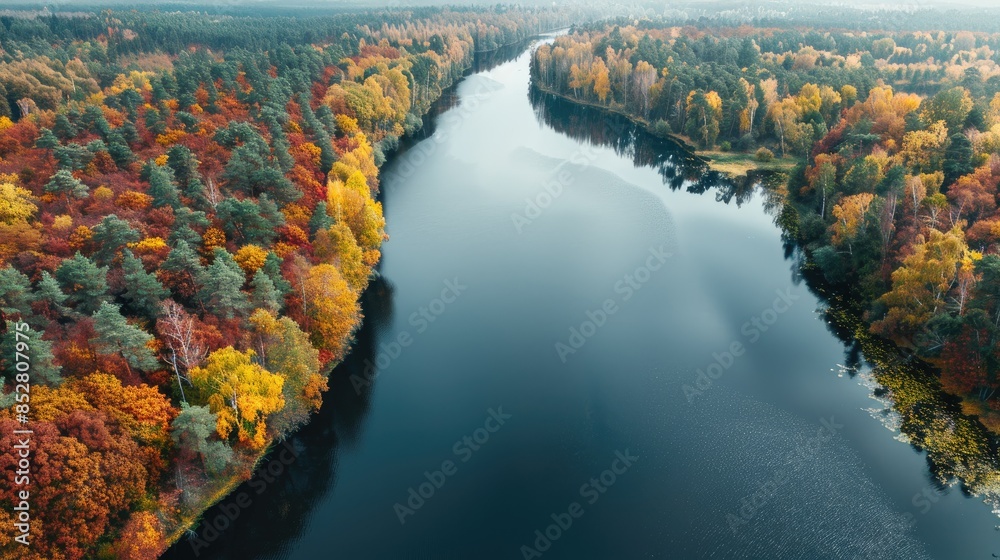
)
(69, 500)
(47, 140)
(241, 393)
(222, 284)
(749, 112)
(286, 350)
(704, 111)
(162, 188)
(15, 293)
(115, 336)
(601, 80)
(863, 176)
(337, 245)
(246, 221)
(193, 432)
(110, 237)
(63, 183)
(331, 306)
(272, 267)
(72, 157)
(44, 369)
(951, 106)
(64, 129)
(84, 283)
(143, 291)
(182, 271)
(49, 298)
(823, 179)
(850, 215)
(263, 293)
(16, 204)
(319, 220)
(923, 150)
(251, 168)
(921, 284)
(785, 115)
(250, 258)
(142, 537)
(957, 159)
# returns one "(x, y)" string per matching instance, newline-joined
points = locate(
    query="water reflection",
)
(285, 490)
(958, 448)
(678, 167)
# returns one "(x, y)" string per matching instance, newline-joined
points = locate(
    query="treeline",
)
(188, 216)
(743, 89)
(896, 198)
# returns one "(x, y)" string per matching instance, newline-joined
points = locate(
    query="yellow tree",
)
(286, 350)
(602, 80)
(250, 258)
(809, 99)
(579, 78)
(240, 392)
(921, 284)
(850, 215)
(337, 245)
(785, 115)
(16, 203)
(332, 308)
(923, 150)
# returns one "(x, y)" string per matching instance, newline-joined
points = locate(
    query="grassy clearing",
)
(736, 164)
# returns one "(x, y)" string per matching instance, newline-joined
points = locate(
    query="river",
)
(578, 348)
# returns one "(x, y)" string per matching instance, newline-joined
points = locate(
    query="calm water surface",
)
(662, 275)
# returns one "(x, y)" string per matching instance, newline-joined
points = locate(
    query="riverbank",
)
(738, 164)
(245, 471)
(734, 164)
(960, 446)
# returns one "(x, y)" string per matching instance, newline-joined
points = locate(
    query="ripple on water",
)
(816, 504)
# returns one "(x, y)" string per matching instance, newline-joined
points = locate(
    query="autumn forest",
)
(192, 215)
(188, 220)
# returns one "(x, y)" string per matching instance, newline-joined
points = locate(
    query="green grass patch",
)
(736, 163)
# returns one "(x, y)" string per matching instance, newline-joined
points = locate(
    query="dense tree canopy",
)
(188, 217)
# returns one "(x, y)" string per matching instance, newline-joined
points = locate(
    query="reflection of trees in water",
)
(282, 509)
(677, 166)
(957, 446)
(449, 99)
(488, 60)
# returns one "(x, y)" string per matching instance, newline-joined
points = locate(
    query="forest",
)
(896, 135)
(188, 215)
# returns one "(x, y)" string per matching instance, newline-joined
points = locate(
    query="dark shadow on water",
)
(284, 494)
(281, 505)
(931, 420)
(675, 163)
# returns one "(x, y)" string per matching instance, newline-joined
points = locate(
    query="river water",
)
(576, 334)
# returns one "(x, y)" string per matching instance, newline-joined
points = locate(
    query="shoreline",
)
(909, 385)
(232, 483)
(734, 164)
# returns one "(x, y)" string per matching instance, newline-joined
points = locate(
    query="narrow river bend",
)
(628, 365)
